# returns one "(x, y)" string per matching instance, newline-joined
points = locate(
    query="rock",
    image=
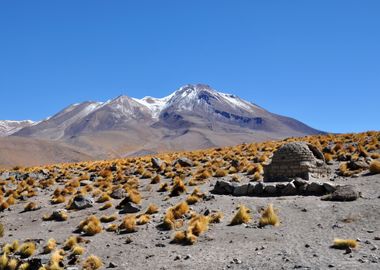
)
(118, 193)
(315, 188)
(156, 163)
(112, 265)
(357, 165)
(258, 189)
(300, 182)
(241, 190)
(329, 187)
(129, 207)
(223, 188)
(289, 189)
(86, 183)
(270, 189)
(57, 214)
(82, 202)
(184, 162)
(343, 194)
(251, 189)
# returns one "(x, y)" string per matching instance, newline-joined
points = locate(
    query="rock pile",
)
(296, 159)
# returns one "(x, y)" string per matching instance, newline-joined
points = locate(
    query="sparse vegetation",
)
(241, 216)
(374, 167)
(345, 243)
(269, 217)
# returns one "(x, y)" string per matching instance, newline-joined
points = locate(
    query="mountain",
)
(8, 127)
(194, 116)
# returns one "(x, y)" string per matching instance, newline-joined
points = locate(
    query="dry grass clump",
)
(27, 249)
(195, 196)
(51, 244)
(220, 173)
(156, 179)
(104, 197)
(143, 219)
(1, 230)
(152, 209)
(374, 167)
(90, 226)
(134, 195)
(215, 217)
(178, 187)
(106, 206)
(56, 260)
(12, 264)
(59, 215)
(92, 263)
(269, 217)
(344, 243)
(241, 216)
(31, 206)
(197, 225)
(11, 248)
(106, 219)
(128, 225)
(174, 213)
(77, 250)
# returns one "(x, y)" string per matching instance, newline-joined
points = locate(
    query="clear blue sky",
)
(316, 60)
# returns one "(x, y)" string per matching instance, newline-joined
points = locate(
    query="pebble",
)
(188, 256)
(112, 265)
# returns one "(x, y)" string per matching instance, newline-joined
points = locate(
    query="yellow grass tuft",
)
(134, 196)
(143, 219)
(92, 263)
(345, 243)
(128, 225)
(220, 173)
(106, 206)
(3, 261)
(11, 248)
(12, 264)
(178, 187)
(106, 219)
(269, 217)
(152, 209)
(51, 244)
(31, 206)
(374, 167)
(27, 249)
(77, 250)
(103, 198)
(90, 226)
(215, 217)
(241, 216)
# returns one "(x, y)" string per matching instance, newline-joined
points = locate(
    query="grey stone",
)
(130, 207)
(329, 187)
(86, 183)
(258, 189)
(57, 214)
(118, 193)
(184, 162)
(156, 163)
(241, 190)
(290, 189)
(342, 194)
(223, 188)
(251, 189)
(82, 202)
(315, 188)
(270, 189)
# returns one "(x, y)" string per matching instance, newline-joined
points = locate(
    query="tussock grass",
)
(152, 209)
(106, 206)
(92, 263)
(51, 244)
(178, 187)
(27, 249)
(241, 216)
(344, 243)
(90, 226)
(374, 167)
(269, 217)
(128, 225)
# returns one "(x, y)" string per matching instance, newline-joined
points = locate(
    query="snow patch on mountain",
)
(8, 127)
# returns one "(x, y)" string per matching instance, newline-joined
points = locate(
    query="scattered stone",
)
(241, 190)
(118, 193)
(112, 265)
(129, 207)
(184, 162)
(329, 187)
(82, 202)
(315, 188)
(343, 194)
(223, 188)
(270, 189)
(156, 163)
(289, 190)
(188, 256)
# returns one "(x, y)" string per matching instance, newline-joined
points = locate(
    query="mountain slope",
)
(8, 127)
(194, 116)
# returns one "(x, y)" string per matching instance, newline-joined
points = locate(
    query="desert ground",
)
(201, 236)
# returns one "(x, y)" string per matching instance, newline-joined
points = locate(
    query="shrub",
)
(241, 216)
(134, 196)
(77, 250)
(220, 173)
(27, 249)
(106, 206)
(128, 225)
(215, 217)
(103, 198)
(106, 219)
(92, 263)
(90, 226)
(344, 243)
(143, 219)
(374, 167)
(269, 217)
(178, 187)
(31, 206)
(152, 209)
(51, 244)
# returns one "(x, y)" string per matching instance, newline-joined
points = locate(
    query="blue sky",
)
(316, 60)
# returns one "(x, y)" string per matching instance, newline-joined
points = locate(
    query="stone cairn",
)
(296, 159)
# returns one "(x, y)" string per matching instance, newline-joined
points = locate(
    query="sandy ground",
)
(302, 241)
